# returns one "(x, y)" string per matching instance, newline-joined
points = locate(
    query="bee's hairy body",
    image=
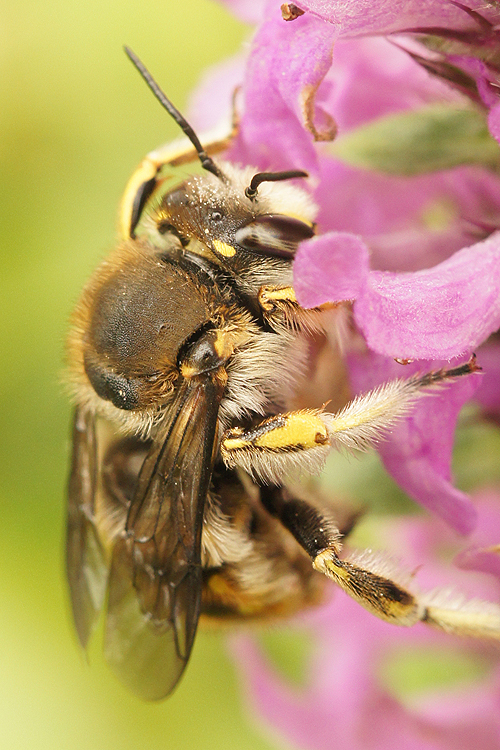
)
(253, 568)
(196, 398)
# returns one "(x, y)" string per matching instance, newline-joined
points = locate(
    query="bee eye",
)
(216, 216)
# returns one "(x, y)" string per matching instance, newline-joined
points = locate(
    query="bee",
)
(189, 359)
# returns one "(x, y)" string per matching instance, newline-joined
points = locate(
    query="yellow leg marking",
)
(147, 170)
(181, 151)
(378, 594)
(270, 295)
(298, 430)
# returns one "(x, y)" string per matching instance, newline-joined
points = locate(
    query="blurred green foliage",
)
(75, 120)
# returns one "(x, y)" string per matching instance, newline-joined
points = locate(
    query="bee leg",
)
(146, 178)
(373, 580)
(280, 307)
(303, 439)
(271, 297)
(320, 538)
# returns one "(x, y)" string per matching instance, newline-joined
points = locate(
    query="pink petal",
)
(494, 121)
(385, 16)
(390, 212)
(440, 312)
(346, 705)
(211, 103)
(371, 77)
(333, 266)
(249, 11)
(488, 393)
(484, 553)
(417, 452)
(287, 63)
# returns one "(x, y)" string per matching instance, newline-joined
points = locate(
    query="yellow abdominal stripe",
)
(298, 430)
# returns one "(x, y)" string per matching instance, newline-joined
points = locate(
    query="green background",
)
(75, 120)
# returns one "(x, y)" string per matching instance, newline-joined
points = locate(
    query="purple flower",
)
(348, 700)
(362, 17)
(444, 311)
(408, 241)
(422, 288)
(469, 60)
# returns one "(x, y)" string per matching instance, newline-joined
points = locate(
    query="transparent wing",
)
(85, 563)
(156, 578)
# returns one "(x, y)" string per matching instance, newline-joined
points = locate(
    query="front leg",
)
(280, 308)
(147, 177)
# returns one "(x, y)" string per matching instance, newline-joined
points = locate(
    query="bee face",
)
(187, 358)
(237, 229)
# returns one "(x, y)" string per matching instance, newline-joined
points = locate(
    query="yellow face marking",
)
(223, 249)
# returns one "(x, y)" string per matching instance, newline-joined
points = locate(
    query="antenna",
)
(206, 161)
(260, 177)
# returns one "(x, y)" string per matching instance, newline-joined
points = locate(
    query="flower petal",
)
(211, 103)
(331, 267)
(387, 17)
(437, 313)
(249, 11)
(488, 394)
(347, 703)
(286, 66)
(417, 453)
(371, 78)
(484, 554)
(408, 224)
(494, 122)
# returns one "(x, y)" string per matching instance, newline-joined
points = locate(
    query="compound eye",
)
(178, 198)
(274, 234)
(124, 393)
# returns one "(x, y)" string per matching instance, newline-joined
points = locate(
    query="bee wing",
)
(156, 577)
(85, 562)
